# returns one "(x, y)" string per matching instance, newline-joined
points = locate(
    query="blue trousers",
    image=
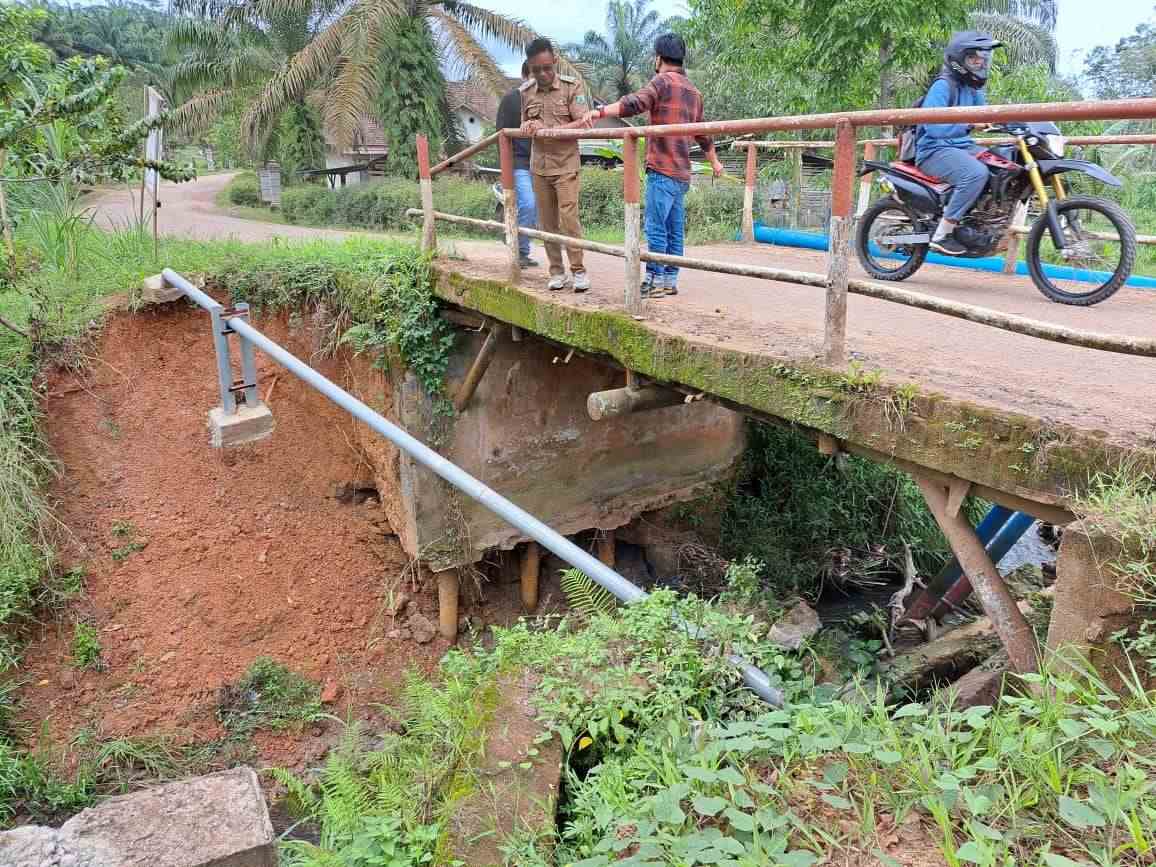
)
(665, 222)
(527, 207)
(967, 176)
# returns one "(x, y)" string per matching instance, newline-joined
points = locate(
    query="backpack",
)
(909, 135)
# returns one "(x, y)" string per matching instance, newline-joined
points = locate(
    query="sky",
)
(1082, 25)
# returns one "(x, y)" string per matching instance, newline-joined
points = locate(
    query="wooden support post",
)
(606, 546)
(838, 262)
(749, 196)
(956, 493)
(531, 566)
(1010, 623)
(477, 369)
(797, 195)
(633, 381)
(448, 591)
(1019, 221)
(510, 207)
(828, 445)
(633, 239)
(428, 224)
(865, 181)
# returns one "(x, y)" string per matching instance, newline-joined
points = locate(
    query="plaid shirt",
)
(670, 98)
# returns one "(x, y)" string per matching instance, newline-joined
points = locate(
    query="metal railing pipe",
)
(598, 571)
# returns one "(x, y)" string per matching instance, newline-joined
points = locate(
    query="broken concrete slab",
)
(154, 290)
(247, 425)
(983, 685)
(217, 820)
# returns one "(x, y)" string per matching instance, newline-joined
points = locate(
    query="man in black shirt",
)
(510, 116)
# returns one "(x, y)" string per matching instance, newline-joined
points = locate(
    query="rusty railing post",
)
(749, 195)
(633, 241)
(865, 182)
(797, 180)
(428, 229)
(510, 206)
(842, 191)
(1019, 221)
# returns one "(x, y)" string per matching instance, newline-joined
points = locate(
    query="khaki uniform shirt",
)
(561, 104)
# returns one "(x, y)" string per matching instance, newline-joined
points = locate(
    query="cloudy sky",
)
(1083, 24)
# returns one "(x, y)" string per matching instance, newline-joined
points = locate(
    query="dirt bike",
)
(1080, 249)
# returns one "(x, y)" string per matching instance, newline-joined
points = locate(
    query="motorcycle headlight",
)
(1055, 144)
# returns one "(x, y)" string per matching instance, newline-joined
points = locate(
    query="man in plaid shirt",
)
(670, 98)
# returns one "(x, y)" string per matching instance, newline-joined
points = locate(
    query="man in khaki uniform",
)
(550, 99)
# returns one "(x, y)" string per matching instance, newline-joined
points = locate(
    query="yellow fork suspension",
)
(1033, 171)
(1058, 186)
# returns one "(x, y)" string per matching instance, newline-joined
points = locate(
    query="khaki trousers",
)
(557, 200)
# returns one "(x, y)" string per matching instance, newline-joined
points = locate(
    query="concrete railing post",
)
(842, 190)
(869, 153)
(749, 195)
(632, 195)
(510, 207)
(1019, 221)
(428, 224)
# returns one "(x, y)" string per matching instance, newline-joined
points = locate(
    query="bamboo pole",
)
(477, 369)
(838, 254)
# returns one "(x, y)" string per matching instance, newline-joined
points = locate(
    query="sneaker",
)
(649, 288)
(949, 246)
(581, 281)
(557, 282)
(527, 262)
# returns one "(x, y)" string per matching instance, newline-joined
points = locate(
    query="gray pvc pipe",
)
(753, 677)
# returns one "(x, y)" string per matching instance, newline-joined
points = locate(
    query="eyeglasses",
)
(545, 67)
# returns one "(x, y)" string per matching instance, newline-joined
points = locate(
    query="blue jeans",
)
(665, 222)
(527, 207)
(967, 176)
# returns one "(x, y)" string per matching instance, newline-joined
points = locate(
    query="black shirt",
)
(510, 117)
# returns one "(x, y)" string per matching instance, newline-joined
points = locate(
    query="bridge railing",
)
(836, 282)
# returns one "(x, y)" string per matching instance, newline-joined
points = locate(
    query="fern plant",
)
(586, 597)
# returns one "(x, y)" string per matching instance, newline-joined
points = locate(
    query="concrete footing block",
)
(248, 424)
(218, 820)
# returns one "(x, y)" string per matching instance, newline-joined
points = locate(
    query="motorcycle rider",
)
(946, 150)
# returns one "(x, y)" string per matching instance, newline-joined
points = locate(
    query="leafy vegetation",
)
(814, 519)
(622, 59)
(86, 647)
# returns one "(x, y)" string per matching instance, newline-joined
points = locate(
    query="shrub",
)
(245, 190)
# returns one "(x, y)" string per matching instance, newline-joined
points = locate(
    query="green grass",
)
(268, 696)
(86, 647)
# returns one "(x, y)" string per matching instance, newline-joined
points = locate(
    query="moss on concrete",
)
(1027, 456)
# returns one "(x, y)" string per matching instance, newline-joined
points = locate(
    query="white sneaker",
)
(557, 282)
(581, 281)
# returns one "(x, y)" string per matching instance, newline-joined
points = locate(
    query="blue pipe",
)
(1012, 532)
(815, 241)
(989, 528)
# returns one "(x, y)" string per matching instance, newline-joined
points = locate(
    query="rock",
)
(421, 629)
(168, 657)
(330, 692)
(795, 627)
(155, 291)
(400, 603)
(67, 679)
(219, 820)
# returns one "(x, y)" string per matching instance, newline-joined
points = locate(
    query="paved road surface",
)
(1090, 389)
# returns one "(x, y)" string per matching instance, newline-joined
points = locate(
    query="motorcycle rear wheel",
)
(874, 225)
(1088, 223)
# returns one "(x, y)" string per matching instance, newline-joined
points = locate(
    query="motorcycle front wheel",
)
(1098, 254)
(884, 262)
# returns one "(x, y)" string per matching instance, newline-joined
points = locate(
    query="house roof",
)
(370, 139)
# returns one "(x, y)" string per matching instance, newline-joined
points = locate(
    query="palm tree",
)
(620, 59)
(1026, 27)
(385, 58)
(230, 50)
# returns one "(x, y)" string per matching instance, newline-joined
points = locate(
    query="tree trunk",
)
(9, 245)
(886, 73)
